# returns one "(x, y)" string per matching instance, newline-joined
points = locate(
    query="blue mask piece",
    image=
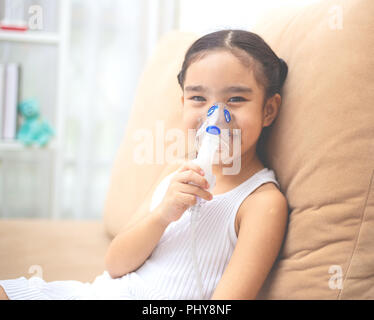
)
(227, 115)
(213, 130)
(211, 110)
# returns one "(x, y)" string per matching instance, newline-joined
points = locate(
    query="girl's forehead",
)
(222, 56)
(219, 68)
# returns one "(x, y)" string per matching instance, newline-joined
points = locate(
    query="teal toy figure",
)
(34, 130)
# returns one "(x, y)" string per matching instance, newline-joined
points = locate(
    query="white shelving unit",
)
(18, 146)
(30, 37)
(60, 41)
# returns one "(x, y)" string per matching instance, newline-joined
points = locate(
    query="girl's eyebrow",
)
(236, 89)
(196, 88)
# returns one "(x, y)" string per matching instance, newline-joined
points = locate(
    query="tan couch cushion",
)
(322, 149)
(62, 250)
(321, 146)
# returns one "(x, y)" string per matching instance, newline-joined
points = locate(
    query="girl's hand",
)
(181, 195)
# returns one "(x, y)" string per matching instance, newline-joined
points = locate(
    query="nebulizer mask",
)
(214, 139)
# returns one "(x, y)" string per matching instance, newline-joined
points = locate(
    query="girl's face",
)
(219, 76)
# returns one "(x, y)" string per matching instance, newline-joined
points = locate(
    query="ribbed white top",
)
(168, 273)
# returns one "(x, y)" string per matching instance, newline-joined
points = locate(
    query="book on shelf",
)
(9, 94)
(13, 15)
(2, 93)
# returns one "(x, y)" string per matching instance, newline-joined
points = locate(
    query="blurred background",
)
(78, 62)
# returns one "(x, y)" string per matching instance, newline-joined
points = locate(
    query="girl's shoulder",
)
(267, 186)
(267, 192)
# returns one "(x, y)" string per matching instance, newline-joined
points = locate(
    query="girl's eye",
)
(197, 98)
(237, 99)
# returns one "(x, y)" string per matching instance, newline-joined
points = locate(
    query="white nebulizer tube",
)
(209, 138)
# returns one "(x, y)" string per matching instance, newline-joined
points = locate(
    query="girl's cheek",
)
(192, 118)
(189, 123)
(249, 131)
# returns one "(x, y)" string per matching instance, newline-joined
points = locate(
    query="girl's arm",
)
(137, 238)
(262, 228)
(134, 244)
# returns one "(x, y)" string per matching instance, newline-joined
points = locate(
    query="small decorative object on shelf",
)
(34, 130)
(14, 16)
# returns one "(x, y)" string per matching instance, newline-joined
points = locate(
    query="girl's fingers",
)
(196, 191)
(191, 176)
(189, 165)
(188, 198)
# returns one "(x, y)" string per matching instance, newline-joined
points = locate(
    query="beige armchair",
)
(321, 148)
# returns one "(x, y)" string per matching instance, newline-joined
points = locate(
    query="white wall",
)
(111, 41)
(210, 15)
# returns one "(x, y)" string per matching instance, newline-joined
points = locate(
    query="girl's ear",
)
(271, 109)
(182, 100)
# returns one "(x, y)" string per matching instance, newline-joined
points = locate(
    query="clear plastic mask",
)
(220, 122)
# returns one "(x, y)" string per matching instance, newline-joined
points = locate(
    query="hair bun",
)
(283, 71)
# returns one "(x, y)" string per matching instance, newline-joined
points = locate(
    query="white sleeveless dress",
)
(168, 273)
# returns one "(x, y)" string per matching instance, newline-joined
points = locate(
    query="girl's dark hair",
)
(269, 70)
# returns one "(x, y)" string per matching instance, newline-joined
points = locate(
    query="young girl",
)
(243, 219)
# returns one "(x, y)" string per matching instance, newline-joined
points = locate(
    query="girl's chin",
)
(222, 158)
